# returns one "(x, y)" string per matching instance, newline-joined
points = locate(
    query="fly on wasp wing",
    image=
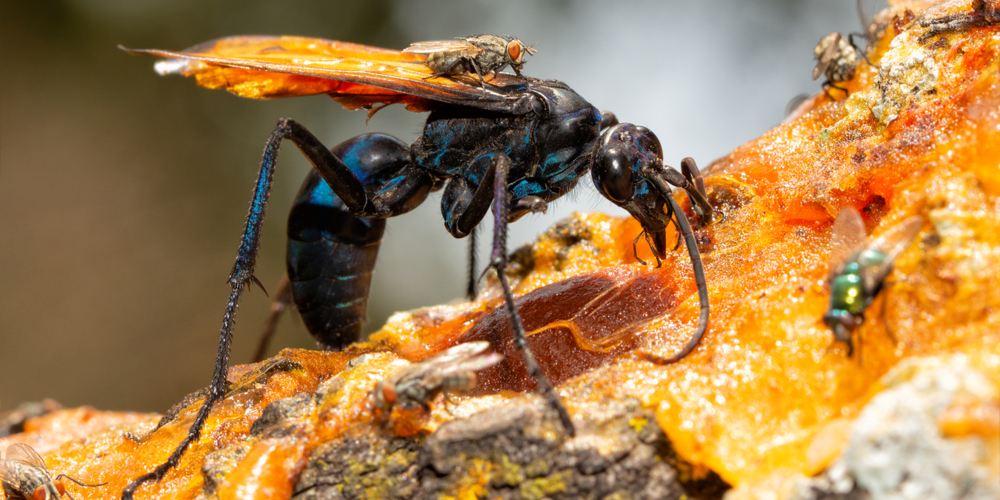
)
(479, 54)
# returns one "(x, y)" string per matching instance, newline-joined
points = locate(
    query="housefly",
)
(858, 270)
(479, 54)
(25, 476)
(453, 370)
(838, 56)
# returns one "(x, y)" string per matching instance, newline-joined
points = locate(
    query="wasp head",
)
(625, 157)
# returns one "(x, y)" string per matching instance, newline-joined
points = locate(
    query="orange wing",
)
(264, 67)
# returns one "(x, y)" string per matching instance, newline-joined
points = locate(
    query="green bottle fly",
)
(858, 270)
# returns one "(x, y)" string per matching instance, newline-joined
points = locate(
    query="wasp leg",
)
(471, 289)
(699, 272)
(282, 298)
(498, 261)
(467, 198)
(402, 193)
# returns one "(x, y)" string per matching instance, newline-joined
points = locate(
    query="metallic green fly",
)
(858, 270)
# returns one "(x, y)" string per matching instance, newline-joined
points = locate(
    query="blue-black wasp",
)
(512, 146)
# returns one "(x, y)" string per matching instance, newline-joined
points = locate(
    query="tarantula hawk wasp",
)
(512, 146)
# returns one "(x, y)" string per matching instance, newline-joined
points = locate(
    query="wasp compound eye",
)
(613, 174)
(648, 141)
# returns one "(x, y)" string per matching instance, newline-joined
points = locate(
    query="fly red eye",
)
(513, 50)
(388, 394)
(39, 493)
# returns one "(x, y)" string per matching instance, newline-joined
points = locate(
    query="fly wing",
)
(357, 76)
(470, 356)
(23, 453)
(891, 243)
(867, 9)
(440, 46)
(8, 474)
(847, 236)
(462, 357)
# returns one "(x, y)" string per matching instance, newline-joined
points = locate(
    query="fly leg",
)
(402, 193)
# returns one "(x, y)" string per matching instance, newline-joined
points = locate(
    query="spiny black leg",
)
(470, 291)
(351, 191)
(699, 275)
(214, 394)
(282, 298)
(498, 260)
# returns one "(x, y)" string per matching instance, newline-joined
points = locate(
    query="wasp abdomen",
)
(332, 253)
(331, 256)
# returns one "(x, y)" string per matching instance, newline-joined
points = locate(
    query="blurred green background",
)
(123, 194)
